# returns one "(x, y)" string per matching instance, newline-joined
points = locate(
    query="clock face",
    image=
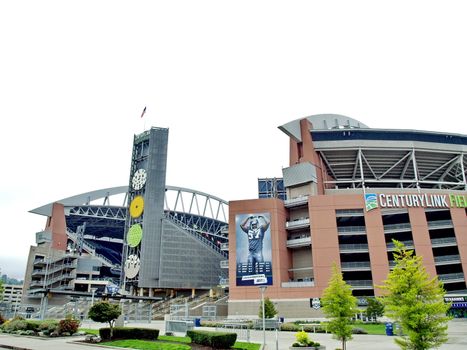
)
(132, 265)
(139, 179)
(137, 207)
(135, 233)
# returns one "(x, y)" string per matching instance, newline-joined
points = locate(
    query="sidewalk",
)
(457, 333)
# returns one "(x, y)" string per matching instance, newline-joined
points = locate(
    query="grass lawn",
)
(182, 344)
(375, 329)
(89, 331)
(146, 345)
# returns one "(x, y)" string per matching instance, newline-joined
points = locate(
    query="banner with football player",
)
(254, 252)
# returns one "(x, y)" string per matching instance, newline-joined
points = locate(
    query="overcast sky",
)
(221, 75)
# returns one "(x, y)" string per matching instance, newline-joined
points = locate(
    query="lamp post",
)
(262, 289)
(93, 290)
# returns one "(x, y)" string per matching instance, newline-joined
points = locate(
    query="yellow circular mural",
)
(137, 207)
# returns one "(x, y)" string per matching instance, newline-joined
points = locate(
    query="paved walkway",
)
(457, 333)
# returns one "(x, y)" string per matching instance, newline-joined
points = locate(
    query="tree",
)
(105, 312)
(269, 309)
(1, 290)
(340, 306)
(415, 301)
(375, 308)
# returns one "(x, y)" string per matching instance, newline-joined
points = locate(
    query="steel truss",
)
(389, 167)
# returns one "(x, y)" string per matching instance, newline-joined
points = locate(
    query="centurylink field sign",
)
(381, 200)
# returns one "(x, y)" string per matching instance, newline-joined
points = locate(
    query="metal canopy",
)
(370, 166)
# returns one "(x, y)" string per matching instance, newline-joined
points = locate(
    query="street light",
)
(262, 289)
(93, 290)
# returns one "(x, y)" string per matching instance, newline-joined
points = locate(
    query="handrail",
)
(451, 276)
(360, 283)
(441, 241)
(347, 247)
(351, 229)
(91, 249)
(296, 200)
(455, 257)
(408, 244)
(355, 264)
(391, 227)
(297, 223)
(438, 223)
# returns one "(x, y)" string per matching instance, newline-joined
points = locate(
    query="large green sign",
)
(382, 200)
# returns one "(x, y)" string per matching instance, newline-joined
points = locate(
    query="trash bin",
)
(197, 322)
(389, 329)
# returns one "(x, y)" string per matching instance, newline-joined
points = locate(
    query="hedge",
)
(129, 333)
(216, 340)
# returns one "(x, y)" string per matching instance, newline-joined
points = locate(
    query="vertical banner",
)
(254, 249)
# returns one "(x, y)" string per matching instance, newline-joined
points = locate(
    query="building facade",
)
(350, 190)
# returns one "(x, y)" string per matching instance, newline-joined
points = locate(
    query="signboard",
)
(425, 200)
(315, 303)
(455, 299)
(253, 252)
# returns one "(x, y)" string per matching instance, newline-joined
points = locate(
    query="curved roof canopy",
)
(177, 199)
(321, 122)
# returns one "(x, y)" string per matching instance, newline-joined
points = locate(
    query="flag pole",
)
(144, 121)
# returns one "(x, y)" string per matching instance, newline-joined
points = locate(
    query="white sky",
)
(221, 75)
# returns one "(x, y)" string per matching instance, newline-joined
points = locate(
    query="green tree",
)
(415, 301)
(1, 289)
(339, 305)
(375, 308)
(105, 312)
(269, 309)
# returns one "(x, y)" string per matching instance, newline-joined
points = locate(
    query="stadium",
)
(348, 191)
(146, 241)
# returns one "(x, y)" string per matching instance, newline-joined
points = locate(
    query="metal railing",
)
(397, 227)
(297, 284)
(356, 265)
(353, 247)
(439, 242)
(360, 283)
(351, 229)
(408, 244)
(451, 277)
(299, 223)
(439, 224)
(296, 201)
(348, 212)
(299, 242)
(91, 250)
(448, 259)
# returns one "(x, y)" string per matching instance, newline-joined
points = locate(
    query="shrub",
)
(359, 331)
(33, 325)
(291, 327)
(48, 326)
(304, 341)
(68, 326)
(17, 324)
(2, 319)
(129, 333)
(212, 324)
(217, 340)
